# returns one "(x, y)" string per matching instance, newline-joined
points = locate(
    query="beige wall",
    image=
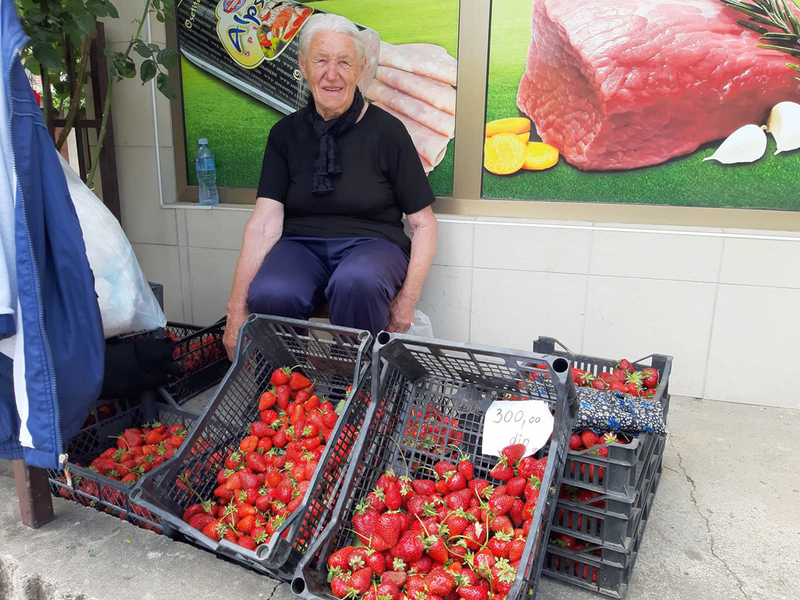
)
(721, 301)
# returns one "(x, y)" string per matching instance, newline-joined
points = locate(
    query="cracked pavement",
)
(725, 524)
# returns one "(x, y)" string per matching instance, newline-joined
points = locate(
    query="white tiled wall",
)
(723, 303)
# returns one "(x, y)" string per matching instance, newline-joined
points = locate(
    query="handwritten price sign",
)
(507, 422)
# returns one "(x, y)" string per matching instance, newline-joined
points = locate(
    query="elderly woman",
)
(337, 177)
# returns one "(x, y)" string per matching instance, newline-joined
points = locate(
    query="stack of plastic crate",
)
(609, 524)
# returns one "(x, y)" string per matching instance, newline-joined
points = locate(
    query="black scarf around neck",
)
(327, 162)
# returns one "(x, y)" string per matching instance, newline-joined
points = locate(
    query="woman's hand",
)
(401, 314)
(232, 326)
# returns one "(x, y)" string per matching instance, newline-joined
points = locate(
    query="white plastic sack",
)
(421, 327)
(126, 301)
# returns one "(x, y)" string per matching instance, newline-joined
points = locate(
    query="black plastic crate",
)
(458, 382)
(609, 524)
(620, 468)
(109, 418)
(606, 576)
(201, 356)
(334, 358)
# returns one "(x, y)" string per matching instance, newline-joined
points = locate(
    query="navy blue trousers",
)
(359, 278)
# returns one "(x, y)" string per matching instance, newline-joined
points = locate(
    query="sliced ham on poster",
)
(435, 93)
(422, 112)
(431, 146)
(438, 66)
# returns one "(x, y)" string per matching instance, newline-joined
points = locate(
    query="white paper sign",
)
(509, 422)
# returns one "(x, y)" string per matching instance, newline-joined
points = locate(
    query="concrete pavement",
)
(725, 525)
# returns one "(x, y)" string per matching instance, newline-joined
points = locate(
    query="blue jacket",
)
(58, 344)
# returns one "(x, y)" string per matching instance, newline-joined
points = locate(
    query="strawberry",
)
(360, 580)
(256, 462)
(500, 544)
(440, 582)
(280, 376)
(436, 548)
(473, 592)
(459, 499)
(298, 381)
(516, 549)
(575, 442)
(502, 470)
(247, 542)
(475, 536)
(393, 499)
(589, 438)
(397, 578)
(455, 481)
(650, 378)
(199, 521)
(339, 587)
(261, 430)
(515, 486)
(625, 365)
(423, 487)
(500, 503)
(247, 479)
(513, 453)
(248, 444)
(214, 530)
(284, 394)
(376, 562)
(503, 576)
(600, 384)
(409, 548)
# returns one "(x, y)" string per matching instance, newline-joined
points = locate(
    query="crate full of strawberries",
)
(260, 471)
(423, 512)
(201, 357)
(120, 441)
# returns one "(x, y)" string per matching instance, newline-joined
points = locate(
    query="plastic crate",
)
(334, 358)
(107, 419)
(606, 576)
(412, 377)
(620, 467)
(201, 356)
(611, 527)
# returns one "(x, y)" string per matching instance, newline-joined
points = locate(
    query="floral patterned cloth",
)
(606, 410)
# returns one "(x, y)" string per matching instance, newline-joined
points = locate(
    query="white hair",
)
(328, 22)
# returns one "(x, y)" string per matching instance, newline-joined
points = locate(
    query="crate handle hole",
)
(560, 365)
(383, 338)
(298, 586)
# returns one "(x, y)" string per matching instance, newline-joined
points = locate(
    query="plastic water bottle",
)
(206, 173)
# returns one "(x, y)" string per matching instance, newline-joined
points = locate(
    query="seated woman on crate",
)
(336, 179)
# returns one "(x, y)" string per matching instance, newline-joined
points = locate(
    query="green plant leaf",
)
(148, 70)
(97, 8)
(167, 57)
(160, 17)
(164, 84)
(33, 16)
(85, 21)
(128, 69)
(154, 47)
(142, 49)
(111, 9)
(47, 55)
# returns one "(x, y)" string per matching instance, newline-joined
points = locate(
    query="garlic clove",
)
(784, 125)
(745, 145)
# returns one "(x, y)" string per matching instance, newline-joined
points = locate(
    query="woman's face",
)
(332, 70)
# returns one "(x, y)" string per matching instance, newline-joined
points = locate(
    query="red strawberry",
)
(267, 400)
(376, 562)
(248, 444)
(650, 378)
(393, 499)
(503, 576)
(247, 542)
(409, 548)
(625, 365)
(514, 453)
(261, 429)
(361, 579)
(455, 481)
(298, 381)
(516, 549)
(500, 503)
(575, 442)
(475, 536)
(515, 486)
(473, 592)
(440, 582)
(284, 394)
(502, 470)
(256, 462)
(459, 499)
(280, 376)
(600, 384)
(467, 469)
(423, 487)
(443, 467)
(499, 545)
(589, 438)
(339, 587)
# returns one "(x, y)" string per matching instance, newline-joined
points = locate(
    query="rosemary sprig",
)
(768, 15)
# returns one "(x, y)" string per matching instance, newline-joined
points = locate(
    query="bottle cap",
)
(203, 142)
